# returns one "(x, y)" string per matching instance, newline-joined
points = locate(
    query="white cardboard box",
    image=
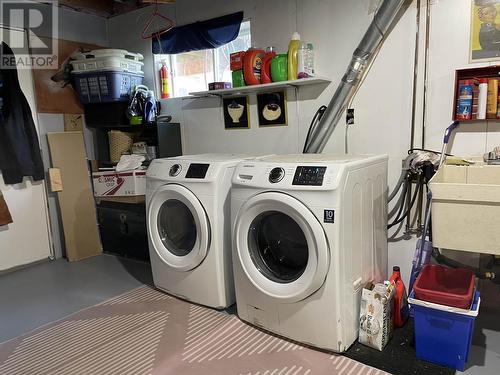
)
(119, 184)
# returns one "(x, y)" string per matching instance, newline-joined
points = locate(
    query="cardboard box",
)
(375, 316)
(121, 184)
(219, 85)
(236, 60)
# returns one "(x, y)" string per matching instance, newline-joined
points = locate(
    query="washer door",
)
(281, 246)
(178, 227)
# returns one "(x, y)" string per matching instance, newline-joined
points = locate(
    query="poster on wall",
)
(272, 109)
(236, 113)
(58, 97)
(485, 31)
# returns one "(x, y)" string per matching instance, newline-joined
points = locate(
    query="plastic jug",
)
(400, 307)
(293, 48)
(279, 68)
(252, 65)
(265, 74)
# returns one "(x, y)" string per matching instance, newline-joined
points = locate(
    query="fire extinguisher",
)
(165, 88)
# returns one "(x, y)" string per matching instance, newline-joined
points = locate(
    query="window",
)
(192, 71)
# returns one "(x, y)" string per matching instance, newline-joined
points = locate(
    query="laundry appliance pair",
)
(292, 238)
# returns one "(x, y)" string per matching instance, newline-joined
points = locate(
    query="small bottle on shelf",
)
(464, 111)
(482, 99)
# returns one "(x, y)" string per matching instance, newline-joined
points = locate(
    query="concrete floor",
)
(49, 291)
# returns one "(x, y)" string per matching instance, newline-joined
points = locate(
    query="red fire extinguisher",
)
(165, 88)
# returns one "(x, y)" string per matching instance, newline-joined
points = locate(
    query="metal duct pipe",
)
(388, 13)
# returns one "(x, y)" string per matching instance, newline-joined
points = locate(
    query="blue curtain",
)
(199, 35)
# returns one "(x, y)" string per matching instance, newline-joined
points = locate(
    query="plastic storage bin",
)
(107, 59)
(106, 86)
(465, 203)
(443, 334)
(445, 286)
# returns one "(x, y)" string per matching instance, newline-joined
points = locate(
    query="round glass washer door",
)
(281, 246)
(178, 227)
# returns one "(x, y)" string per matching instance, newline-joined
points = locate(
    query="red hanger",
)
(154, 15)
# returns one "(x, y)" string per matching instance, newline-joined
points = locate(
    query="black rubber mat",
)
(398, 357)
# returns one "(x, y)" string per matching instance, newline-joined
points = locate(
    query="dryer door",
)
(178, 227)
(281, 246)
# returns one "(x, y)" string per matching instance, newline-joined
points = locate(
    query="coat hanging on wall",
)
(200, 35)
(19, 148)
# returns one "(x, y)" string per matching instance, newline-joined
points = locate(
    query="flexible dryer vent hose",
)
(387, 15)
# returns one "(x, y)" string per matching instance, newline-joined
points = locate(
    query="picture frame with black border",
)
(272, 109)
(236, 112)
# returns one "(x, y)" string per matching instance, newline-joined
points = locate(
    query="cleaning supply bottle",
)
(491, 108)
(265, 73)
(400, 306)
(464, 111)
(305, 61)
(252, 65)
(165, 88)
(293, 48)
(482, 99)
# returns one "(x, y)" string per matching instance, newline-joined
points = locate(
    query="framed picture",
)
(484, 31)
(236, 113)
(272, 109)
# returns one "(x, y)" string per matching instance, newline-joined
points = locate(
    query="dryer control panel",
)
(309, 175)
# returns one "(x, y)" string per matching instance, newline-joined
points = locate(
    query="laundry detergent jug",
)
(252, 65)
(265, 74)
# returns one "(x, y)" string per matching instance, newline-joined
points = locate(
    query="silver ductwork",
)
(387, 15)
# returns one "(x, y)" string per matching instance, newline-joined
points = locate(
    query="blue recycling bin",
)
(443, 334)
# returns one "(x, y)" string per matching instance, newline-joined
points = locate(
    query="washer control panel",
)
(307, 175)
(276, 175)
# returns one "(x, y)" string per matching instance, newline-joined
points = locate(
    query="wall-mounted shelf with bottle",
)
(473, 75)
(266, 87)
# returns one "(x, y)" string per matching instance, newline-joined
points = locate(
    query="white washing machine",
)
(309, 231)
(189, 229)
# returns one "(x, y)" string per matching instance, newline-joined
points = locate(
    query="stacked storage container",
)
(445, 305)
(106, 75)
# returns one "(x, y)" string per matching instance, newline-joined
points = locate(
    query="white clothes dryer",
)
(309, 231)
(189, 229)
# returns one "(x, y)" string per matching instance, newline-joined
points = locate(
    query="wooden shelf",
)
(473, 74)
(127, 127)
(267, 87)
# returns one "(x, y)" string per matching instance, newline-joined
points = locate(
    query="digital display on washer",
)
(312, 176)
(196, 170)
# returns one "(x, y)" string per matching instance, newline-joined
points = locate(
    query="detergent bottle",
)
(400, 305)
(252, 65)
(265, 74)
(293, 48)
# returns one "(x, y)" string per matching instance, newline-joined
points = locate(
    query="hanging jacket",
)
(19, 148)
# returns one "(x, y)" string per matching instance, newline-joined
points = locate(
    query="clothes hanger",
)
(156, 14)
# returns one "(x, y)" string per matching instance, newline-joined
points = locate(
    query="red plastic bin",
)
(445, 286)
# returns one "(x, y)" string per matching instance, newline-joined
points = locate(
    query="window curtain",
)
(200, 35)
